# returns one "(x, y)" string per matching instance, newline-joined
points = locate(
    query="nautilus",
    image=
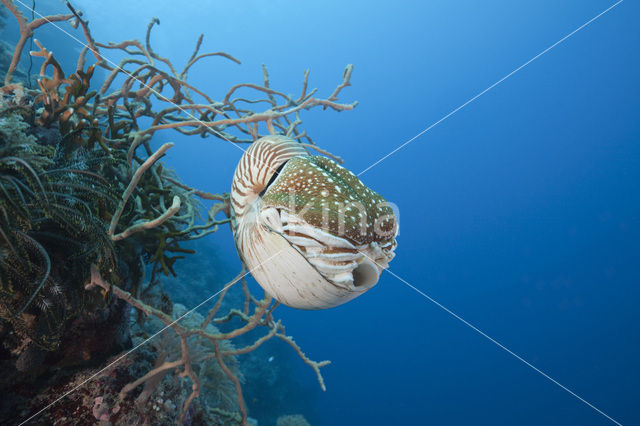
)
(309, 231)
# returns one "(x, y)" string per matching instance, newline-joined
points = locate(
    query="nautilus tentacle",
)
(311, 233)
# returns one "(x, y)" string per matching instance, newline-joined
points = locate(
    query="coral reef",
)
(91, 218)
(292, 420)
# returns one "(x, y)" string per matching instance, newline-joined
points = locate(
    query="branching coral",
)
(262, 316)
(122, 213)
(26, 31)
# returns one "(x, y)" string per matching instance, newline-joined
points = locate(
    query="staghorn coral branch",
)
(230, 315)
(134, 182)
(247, 295)
(324, 152)
(164, 368)
(234, 379)
(123, 45)
(188, 371)
(82, 59)
(346, 82)
(305, 82)
(26, 31)
(175, 207)
(262, 316)
(264, 89)
(255, 118)
(249, 348)
(91, 44)
(202, 194)
(156, 21)
(313, 364)
(252, 322)
(195, 57)
(265, 77)
(116, 71)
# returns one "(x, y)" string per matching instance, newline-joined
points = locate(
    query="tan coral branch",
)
(175, 207)
(134, 182)
(26, 31)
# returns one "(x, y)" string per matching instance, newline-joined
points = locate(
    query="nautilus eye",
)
(311, 233)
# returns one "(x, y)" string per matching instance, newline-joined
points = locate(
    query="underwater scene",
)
(290, 213)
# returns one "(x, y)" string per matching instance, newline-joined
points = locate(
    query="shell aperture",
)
(311, 233)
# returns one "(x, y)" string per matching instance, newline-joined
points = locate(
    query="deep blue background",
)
(521, 213)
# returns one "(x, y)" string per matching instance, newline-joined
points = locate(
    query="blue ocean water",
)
(520, 213)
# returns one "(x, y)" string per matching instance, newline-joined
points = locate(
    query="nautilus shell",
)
(311, 233)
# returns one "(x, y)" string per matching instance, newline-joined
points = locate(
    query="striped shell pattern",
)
(312, 235)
